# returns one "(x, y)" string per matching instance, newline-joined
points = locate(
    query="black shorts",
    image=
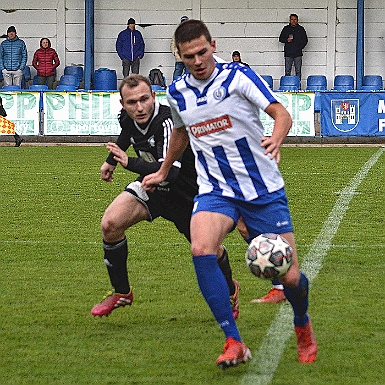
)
(169, 205)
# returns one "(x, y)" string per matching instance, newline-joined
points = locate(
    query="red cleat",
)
(306, 343)
(234, 353)
(273, 296)
(112, 301)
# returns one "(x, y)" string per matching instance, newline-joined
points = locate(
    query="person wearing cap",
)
(236, 56)
(130, 48)
(179, 65)
(13, 58)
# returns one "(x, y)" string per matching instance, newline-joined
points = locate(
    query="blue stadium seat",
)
(26, 77)
(38, 87)
(372, 83)
(289, 83)
(343, 83)
(74, 70)
(157, 87)
(69, 80)
(268, 79)
(316, 83)
(11, 88)
(66, 87)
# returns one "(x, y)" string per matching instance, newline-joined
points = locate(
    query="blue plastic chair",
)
(157, 87)
(66, 87)
(11, 88)
(38, 87)
(343, 83)
(26, 77)
(268, 79)
(289, 83)
(372, 83)
(74, 70)
(316, 83)
(69, 80)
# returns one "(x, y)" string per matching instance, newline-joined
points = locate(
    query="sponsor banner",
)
(95, 113)
(301, 108)
(23, 110)
(353, 113)
(81, 113)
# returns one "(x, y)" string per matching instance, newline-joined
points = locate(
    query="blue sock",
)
(298, 298)
(215, 291)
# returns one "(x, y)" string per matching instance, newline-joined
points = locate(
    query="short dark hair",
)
(132, 81)
(191, 29)
(295, 15)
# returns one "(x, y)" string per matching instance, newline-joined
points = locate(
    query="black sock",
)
(224, 265)
(115, 258)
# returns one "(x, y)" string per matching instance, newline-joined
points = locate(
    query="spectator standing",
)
(236, 57)
(13, 58)
(294, 37)
(179, 65)
(45, 61)
(18, 138)
(130, 48)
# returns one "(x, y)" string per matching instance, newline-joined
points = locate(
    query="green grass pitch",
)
(52, 273)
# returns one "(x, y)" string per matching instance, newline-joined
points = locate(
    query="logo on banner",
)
(345, 114)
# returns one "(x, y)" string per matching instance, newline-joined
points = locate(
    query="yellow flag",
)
(6, 126)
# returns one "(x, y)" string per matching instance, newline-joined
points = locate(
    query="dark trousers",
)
(133, 65)
(297, 61)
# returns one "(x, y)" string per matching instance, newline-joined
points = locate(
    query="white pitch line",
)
(266, 359)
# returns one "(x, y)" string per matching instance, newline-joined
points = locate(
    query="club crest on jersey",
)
(151, 141)
(345, 114)
(211, 126)
(220, 93)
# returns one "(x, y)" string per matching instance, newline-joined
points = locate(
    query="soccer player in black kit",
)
(147, 126)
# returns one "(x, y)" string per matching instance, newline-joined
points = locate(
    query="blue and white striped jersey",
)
(221, 115)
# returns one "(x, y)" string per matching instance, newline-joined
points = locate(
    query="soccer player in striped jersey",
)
(215, 108)
(147, 126)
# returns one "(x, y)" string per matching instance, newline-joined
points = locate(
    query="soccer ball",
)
(269, 256)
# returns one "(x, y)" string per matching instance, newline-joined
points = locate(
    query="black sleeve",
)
(304, 39)
(2, 111)
(283, 36)
(143, 168)
(123, 140)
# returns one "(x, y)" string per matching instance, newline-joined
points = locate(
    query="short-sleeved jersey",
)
(150, 145)
(221, 115)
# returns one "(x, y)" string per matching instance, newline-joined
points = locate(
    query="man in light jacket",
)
(13, 58)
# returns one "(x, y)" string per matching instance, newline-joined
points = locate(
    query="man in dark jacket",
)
(130, 48)
(294, 37)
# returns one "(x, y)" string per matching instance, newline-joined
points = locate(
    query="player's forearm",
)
(282, 121)
(178, 143)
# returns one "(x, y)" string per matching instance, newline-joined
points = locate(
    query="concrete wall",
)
(250, 26)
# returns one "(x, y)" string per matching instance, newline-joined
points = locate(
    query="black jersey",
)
(150, 145)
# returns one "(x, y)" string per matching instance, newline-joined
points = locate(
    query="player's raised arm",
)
(282, 125)
(178, 143)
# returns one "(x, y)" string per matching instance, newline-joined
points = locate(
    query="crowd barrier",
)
(80, 113)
